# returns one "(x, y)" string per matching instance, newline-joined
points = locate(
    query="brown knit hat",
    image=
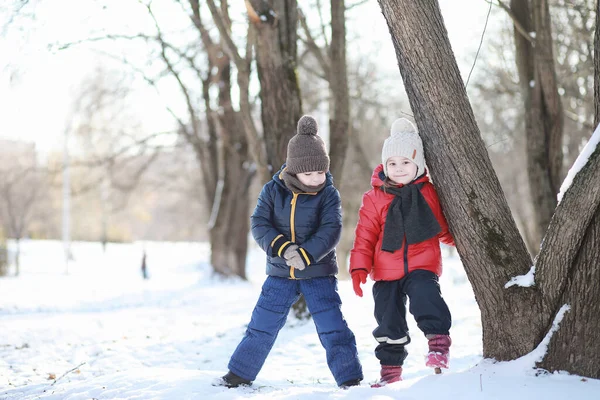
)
(306, 150)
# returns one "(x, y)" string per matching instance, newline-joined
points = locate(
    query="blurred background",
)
(133, 121)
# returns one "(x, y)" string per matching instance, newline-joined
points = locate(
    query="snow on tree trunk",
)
(491, 249)
(567, 269)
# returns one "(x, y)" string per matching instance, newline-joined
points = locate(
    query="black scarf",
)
(410, 215)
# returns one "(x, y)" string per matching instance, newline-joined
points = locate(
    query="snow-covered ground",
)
(102, 332)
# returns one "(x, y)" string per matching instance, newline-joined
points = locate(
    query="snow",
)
(102, 332)
(526, 280)
(579, 163)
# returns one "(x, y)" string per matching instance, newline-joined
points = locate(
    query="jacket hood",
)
(279, 181)
(378, 177)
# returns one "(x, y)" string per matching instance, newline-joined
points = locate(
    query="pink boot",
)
(439, 351)
(389, 374)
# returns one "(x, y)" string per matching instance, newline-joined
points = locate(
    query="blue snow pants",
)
(270, 313)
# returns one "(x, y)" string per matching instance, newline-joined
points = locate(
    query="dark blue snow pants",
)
(270, 313)
(426, 304)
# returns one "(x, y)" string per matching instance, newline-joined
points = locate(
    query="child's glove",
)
(358, 276)
(293, 258)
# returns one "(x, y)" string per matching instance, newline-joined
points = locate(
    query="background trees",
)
(235, 79)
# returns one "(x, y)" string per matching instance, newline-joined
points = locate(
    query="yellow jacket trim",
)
(306, 259)
(292, 275)
(282, 247)
(274, 240)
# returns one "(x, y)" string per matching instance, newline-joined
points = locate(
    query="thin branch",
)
(223, 31)
(357, 4)
(516, 22)
(68, 372)
(487, 18)
(312, 45)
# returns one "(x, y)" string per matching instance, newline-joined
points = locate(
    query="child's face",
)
(401, 170)
(312, 178)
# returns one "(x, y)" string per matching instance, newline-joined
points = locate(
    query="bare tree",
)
(542, 103)
(20, 189)
(497, 98)
(339, 119)
(515, 319)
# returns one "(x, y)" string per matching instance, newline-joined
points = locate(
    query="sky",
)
(37, 89)
(102, 332)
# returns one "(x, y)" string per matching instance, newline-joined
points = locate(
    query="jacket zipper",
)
(405, 257)
(292, 228)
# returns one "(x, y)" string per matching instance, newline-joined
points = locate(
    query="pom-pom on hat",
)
(306, 150)
(404, 141)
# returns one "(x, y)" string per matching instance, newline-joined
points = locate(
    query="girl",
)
(397, 243)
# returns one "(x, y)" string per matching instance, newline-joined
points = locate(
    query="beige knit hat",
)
(306, 150)
(404, 141)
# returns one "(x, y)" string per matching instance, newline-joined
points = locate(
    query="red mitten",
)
(358, 276)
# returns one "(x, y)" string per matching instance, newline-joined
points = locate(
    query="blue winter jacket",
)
(313, 221)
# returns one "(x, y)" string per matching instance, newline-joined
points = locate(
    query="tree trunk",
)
(514, 319)
(3, 257)
(229, 220)
(487, 239)
(18, 256)
(597, 67)
(567, 273)
(575, 346)
(338, 84)
(543, 108)
(281, 106)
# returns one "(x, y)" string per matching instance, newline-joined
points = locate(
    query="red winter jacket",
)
(385, 266)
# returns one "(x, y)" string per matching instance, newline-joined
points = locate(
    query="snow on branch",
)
(529, 360)
(540, 351)
(581, 161)
(526, 280)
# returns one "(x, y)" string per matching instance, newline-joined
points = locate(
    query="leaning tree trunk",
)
(486, 236)
(597, 67)
(567, 273)
(543, 108)
(514, 319)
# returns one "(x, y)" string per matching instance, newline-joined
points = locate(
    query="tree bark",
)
(338, 84)
(575, 345)
(567, 273)
(514, 319)
(491, 249)
(543, 108)
(276, 66)
(597, 67)
(229, 242)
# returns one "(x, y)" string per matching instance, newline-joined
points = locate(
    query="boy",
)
(297, 222)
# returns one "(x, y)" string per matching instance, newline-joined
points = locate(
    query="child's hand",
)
(293, 257)
(358, 277)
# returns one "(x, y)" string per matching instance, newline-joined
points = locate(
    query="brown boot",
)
(389, 374)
